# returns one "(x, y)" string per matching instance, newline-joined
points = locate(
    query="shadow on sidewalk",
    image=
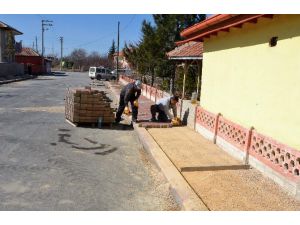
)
(214, 168)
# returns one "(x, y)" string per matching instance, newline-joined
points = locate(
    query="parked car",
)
(126, 72)
(101, 73)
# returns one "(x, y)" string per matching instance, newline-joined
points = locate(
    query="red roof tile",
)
(27, 52)
(121, 53)
(7, 27)
(189, 49)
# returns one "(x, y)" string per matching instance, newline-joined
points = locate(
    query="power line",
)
(110, 34)
(49, 23)
(118, 43)
(36, 45)
(45, 23)
(95, 40)
(61, 51)
(127, 25)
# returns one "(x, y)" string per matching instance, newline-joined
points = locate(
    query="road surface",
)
(47, 164)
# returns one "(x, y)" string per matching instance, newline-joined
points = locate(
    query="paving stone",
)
(87, 105)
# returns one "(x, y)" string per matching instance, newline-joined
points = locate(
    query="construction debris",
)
(88, 106)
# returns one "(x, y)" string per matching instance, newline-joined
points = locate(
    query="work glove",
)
(176, 121)
(126, 111)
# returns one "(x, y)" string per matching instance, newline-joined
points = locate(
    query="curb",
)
(16, 80)
(117, 96)
(180, 189)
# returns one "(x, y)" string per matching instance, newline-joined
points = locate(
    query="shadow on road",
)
(112, 126)
(57, 74)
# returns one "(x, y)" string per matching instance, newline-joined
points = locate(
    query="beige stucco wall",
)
(253, 84)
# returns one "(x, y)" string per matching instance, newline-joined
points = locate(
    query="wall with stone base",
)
(11, 69)
(188, 115)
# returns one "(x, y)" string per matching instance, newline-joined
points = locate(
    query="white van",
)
(101, 73)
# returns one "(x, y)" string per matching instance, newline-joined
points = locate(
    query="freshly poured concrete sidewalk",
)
(222, 182)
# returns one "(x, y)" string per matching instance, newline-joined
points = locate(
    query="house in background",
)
(123, 63)
(250, 94)
(8, 48)
(8, 45)
(187, 55)
(33, 63)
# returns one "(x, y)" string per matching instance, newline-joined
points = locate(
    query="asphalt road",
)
(47, 164)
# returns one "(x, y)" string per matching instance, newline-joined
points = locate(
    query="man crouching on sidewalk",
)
(129, 93)
(162, 107)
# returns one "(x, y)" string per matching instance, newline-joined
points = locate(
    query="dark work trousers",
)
(162, 117)
(122, 107)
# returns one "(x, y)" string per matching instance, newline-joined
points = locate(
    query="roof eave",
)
(185, 58)
(206, 23)
(7, 27)
(206, 34)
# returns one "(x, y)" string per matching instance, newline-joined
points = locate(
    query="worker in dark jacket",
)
(129, 93)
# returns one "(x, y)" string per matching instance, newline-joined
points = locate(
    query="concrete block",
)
(230, 149)
(287, 185)
(204, 132)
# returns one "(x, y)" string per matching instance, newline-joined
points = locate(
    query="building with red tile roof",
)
(249, 92)
(188, 51)
(123, 63)
(218, 23)
(27, 52)
(34, 63)
(188, 54)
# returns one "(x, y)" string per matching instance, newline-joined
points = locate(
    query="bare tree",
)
(79, 57)
(82, 61)
(93, 59)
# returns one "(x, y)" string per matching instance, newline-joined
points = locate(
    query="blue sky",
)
(91, 32)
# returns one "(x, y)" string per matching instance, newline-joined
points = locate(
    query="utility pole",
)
(45, 23)
(118, 50)
(36, 45)
(61, 51)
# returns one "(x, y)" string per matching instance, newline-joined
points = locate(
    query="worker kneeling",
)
(162, 107)
(129, 93)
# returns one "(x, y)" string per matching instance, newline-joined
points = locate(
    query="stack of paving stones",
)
(87, 106)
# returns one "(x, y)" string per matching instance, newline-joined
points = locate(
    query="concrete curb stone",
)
(16, 80)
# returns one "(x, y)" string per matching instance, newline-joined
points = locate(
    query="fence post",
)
(247, 148)
(216, 128)
(195, 118)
